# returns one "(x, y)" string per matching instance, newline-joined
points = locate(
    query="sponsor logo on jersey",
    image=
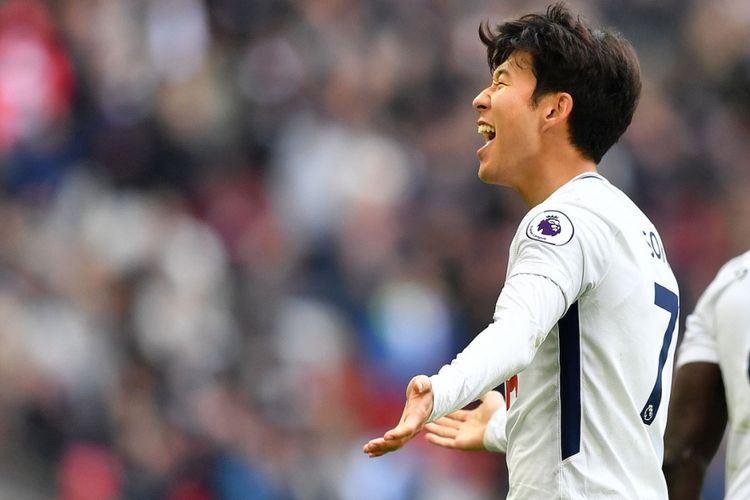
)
(550, 226)
(511, 391)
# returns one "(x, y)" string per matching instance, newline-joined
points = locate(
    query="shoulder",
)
(549, 224)
(741, 262)
(731, 274)
(732, 283)
(561, 220)
(734, 271)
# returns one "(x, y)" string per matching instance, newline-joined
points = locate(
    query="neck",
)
(545, 176)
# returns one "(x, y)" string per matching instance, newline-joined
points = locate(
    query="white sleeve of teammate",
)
(699, 341)
(713, 314)
(528, 308)
(495, 438)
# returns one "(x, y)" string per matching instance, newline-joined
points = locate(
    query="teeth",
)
(486, 129)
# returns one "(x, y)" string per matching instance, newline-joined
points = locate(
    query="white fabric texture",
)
(527, 309)
(494, 434)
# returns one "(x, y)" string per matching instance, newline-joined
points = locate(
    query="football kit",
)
(583, 338)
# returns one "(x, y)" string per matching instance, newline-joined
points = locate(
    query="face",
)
(509, 122)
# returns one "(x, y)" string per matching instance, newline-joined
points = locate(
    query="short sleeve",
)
(699, 342)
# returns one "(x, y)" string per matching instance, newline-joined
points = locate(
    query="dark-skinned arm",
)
(695, 426)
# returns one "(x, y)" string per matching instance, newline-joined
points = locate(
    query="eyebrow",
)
(498, 73)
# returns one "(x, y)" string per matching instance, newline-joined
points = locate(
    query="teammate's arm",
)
(695, 426)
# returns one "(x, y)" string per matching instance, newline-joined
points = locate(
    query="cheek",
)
(521, 125)
(510, 114)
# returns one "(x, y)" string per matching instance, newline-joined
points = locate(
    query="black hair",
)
(598, 68)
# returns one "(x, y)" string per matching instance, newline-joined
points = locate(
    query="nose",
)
(481, 101)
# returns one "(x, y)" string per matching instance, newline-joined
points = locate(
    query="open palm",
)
(464, 429)
(419, 401)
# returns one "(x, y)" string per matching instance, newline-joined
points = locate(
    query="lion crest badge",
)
(550, 226)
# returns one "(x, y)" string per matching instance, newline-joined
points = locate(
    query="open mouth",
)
(488, 131)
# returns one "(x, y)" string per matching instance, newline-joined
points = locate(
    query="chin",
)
(484, 175)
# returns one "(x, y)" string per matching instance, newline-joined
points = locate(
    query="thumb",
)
(421, 384)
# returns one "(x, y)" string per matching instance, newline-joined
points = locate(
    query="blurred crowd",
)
(231, 231)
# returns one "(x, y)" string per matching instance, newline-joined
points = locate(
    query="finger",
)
(459, 415)
(380, 446)
(448, 422)
(374, 451)
(421, 383)
(374, 444)
(370, 445)
(401, 431)
(440, 441)
(406, 429)
(441, 431)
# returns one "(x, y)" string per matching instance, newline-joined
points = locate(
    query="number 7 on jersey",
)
(667, 300)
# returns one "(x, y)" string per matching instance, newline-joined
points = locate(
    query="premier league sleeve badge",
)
(550, 226)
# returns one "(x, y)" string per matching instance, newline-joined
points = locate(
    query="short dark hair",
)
(598, 68)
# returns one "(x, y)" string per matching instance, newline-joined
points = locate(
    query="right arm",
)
(695, 426)
(698, 408)
(528, 308)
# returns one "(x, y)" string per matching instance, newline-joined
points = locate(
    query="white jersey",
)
(586, 417)
(718, 332)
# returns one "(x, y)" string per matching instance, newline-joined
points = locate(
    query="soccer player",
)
(582, 333)
(712, 384)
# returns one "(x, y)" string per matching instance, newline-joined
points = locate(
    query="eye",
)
(496, 77)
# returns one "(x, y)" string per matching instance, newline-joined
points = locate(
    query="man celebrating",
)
(582, 333)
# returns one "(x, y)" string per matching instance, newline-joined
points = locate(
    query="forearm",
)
(491, 358)
(696, 423)
(684, 475)
(527, 309)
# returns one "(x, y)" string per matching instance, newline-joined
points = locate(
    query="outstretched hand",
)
(464, 429)
(419, 401)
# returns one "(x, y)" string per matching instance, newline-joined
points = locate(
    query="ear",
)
(557, 107)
